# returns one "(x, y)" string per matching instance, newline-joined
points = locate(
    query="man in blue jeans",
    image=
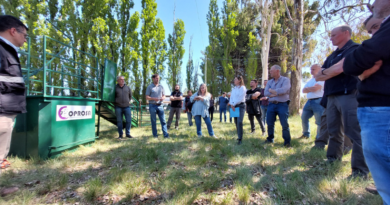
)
(315, 91)
(122, 101)
(223, 101)
(374, 98)
(278, 90)
(188, 106)
(155, 95)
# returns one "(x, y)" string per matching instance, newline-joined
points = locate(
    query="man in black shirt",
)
(176, 103)
(252, 101)
(341, 110)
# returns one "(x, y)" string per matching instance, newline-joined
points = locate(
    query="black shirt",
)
(253, 106)
(176, 103)
(341, 84)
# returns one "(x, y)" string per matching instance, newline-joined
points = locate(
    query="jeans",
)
(189, 116)
(222, 110)
(264, 113)
(312, 107)
(239, 121)
(252, 121)
(173, 111)
(119, 112)
(211, 113)
(375, 126)
(280, 109)
(159, 110)
(198, 122)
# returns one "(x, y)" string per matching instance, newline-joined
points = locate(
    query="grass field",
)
(188, 170)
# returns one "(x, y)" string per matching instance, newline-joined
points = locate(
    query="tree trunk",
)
(296, 71)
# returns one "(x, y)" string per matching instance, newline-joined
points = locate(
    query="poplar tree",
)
(176, 53)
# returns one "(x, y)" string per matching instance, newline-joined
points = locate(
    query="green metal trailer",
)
(66, 88)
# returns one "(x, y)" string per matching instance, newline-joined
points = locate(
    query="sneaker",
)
(8, 190)
(167, 137)
(331, 160)
(357, 174)
(304, 137)
(120, 137)
(129, 136)
(318, 147)
(177, 128)
(199, 136)
(214, 137)
(268, 142)
(372, 189)
(155, 136)
(287, 145)
(253, 132)
(263, 134)
(239, 142)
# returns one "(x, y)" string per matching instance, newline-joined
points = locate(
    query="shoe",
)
(120, 137)
(239, 142)
(331, 160)
(4, 165)
(214, 137)
(199, 136)
(287, 145)
(268, 142)
(155, 136)
(176, 128)
(263, 134)
(129, 136)
(253, 132)
(318, 147)
(346, 150)
(372, 189)
(8, 190)
(357, 174)
(167, 137)
(303, 137)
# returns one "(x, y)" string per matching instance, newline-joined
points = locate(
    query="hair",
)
(254, 80)
(117, 78)
(277, 67)
(241, 79)
(345, 28)
(199, 91)
(8, 22)
(367, 20)
(189, 91)
(177, 85)
(265, 80)
(223, 93)
(155, 75)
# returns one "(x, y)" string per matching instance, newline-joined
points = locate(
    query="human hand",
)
(272, 91)
(263, 98)
(369, 72)
(233, 108)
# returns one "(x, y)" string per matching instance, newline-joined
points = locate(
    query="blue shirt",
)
(200, 107)
(282, 88)
(223, 101)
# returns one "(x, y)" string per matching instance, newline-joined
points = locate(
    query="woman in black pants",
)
(237, 100)
(211, 108)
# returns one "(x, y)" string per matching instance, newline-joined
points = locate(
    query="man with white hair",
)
(122, 106)
(278, 90)
(341, 110)
(315, 91)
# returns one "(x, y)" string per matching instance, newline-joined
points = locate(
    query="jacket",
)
(253, 106)
(122, 96)
(12, 87)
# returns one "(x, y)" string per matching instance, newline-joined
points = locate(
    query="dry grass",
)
(188, 170)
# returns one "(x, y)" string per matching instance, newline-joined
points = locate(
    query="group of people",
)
(349, 96)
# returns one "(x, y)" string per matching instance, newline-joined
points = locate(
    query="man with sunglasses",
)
(13, 34)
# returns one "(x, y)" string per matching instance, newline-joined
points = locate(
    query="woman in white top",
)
(200, 109)
(237, 100)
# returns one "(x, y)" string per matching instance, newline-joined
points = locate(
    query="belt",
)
(276, 102)
(239, 104)
(158, 104)
(314, 99)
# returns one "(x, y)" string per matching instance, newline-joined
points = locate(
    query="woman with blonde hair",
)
(237, 100)
(200, 109)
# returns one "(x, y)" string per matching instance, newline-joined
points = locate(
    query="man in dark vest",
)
(176, 103)
(13, 34)
(253, 109)
(122, 106)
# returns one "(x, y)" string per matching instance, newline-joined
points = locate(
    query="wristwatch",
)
(322, 71)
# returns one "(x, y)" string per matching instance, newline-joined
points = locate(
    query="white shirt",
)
(319, 93)
(238, 95)
(9, 43)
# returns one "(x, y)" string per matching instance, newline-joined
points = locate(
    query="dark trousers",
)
(259, 120)
(173, 111)
(222, 110)
(280, 109)
(341, 113)
(323, 137)
(211, 113)
(239, 121)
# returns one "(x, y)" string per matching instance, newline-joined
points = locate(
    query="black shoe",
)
(304, 137)
(268, 142)
(155, 136)
(331, 160)
(357, 174)
(287, 145)
(239, 142)
(372, 189)
(129, 136)
(167, 137)
(318, 147)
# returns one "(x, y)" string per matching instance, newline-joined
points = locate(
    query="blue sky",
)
(193, 13)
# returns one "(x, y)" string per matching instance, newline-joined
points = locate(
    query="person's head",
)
(253, 83)
(224, 94)
(340, 35)
(314, 69)
(120, 80)
(372, 24)
(381, 8)
(238, 81)
(177, 87)
(202, 89)
(275, 71)
(13, 30)
(228, 94)
(155, 78)
(189, 93)
(211, 95)
(265, 82)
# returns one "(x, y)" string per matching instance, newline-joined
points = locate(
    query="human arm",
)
(369, 72)
(284, 89)
(312, 89)
(328, 73)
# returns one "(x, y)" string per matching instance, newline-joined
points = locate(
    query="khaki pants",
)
(6, 127)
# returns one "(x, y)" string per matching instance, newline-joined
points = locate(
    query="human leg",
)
(127, 112)
(307, 113)
(153, 112)
(198, 122)
(271, 117)
(209, 126)
(283, 117)
(161, 116)
(119, 120)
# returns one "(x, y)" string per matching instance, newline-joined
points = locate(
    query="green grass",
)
(188, 170)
